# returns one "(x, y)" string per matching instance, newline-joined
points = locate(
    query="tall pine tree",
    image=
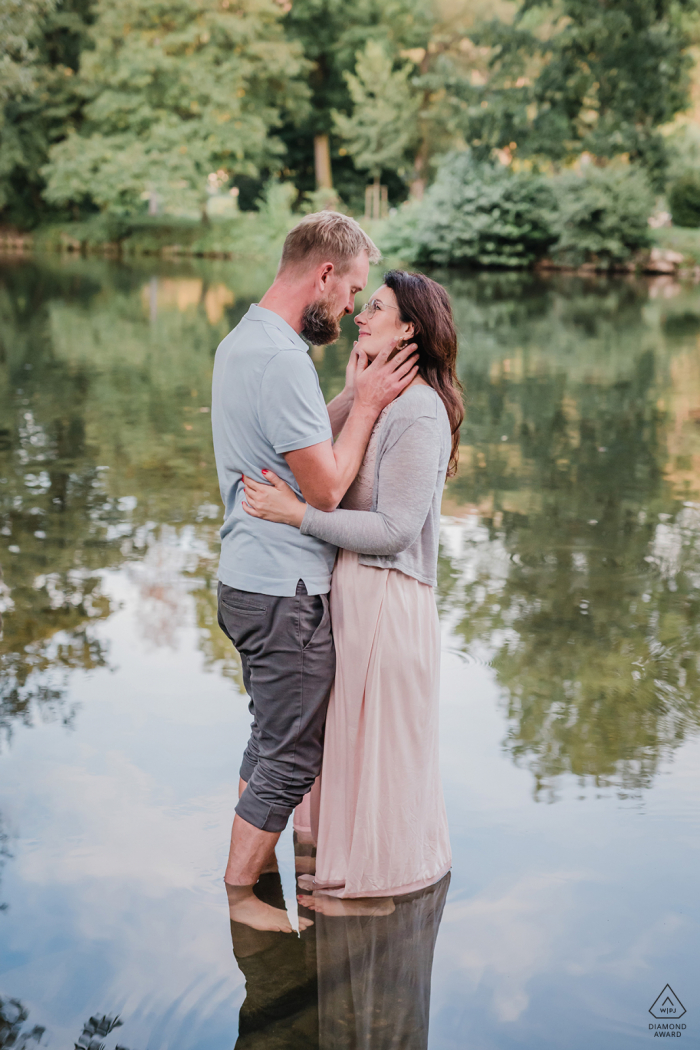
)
(333, 34)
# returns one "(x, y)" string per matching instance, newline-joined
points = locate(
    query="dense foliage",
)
(481, 213)
(684, 200)
(124, 106)
(476, 213)
(176, 93)
(373, 135)
(601, 213)
(41, 43)
(335, 37)
(581, 75)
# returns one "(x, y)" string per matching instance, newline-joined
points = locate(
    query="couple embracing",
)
(328, 563)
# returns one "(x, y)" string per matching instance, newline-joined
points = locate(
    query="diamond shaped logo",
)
(667, 1005)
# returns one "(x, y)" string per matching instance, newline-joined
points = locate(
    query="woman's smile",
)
(383, 312)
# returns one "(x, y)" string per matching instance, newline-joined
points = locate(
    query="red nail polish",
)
(264, 472)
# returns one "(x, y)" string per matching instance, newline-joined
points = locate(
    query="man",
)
(268, 412)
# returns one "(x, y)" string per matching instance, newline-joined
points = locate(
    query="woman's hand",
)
(273, 502)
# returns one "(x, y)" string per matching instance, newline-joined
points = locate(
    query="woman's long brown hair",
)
(426, 305)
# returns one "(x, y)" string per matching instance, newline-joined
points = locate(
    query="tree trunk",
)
(322, 160)
(373, 199)
(417, 188)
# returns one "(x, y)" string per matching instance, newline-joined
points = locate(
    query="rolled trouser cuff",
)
(262, 815)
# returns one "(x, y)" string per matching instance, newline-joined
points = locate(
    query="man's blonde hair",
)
(326, 236)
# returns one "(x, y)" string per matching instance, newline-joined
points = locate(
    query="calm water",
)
(570, 602)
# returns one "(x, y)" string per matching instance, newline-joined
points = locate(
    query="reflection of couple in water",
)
(357, 517)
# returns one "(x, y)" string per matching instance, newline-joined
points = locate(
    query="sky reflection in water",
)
(569, 591)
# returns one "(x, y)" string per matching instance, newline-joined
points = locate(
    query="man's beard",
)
(319, 325)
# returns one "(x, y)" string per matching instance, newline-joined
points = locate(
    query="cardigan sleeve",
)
(405, 488)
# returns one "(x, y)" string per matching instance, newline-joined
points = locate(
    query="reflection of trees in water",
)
(583, 401)
(95, 1029)
(582, 583)
(105, 441)
(218, 652)
(5, 855)
(12, 1020)
(14, 1034)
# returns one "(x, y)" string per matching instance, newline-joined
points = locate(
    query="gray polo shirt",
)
(266, 400)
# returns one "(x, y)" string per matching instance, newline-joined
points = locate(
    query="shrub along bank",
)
(476, 213)
(483, 214)
(255, 235)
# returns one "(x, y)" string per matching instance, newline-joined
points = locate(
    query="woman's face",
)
(379, 323)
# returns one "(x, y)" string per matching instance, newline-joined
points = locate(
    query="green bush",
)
(483, 214)
(258, 236)
(684, 200)
(602, 215)
(475, 213)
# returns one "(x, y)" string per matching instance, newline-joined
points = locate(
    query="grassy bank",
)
(677, 239)
(248, 234)
(243, 235)
(258, 236)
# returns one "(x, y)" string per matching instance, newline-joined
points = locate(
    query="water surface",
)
(569, 596)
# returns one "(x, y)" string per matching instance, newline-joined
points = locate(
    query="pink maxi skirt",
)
(377, 812)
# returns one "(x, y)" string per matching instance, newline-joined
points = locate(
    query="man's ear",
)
(325, 272)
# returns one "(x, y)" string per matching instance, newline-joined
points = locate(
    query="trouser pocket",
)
(244, 616)
(314, 618)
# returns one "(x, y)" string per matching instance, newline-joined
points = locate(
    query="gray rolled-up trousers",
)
(288, 657)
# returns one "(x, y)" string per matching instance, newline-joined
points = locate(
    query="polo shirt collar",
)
(259, 313)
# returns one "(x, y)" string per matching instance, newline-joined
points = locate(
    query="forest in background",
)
(181, 115)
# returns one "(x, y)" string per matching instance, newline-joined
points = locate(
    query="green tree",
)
(381, 131)
(18, 56)
(403, 99)
(579, 75)
(177, 92)
(332, 35)
(445, 72)
(580, 586)
(40, 99)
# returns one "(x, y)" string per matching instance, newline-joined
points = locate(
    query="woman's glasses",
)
(375, 305)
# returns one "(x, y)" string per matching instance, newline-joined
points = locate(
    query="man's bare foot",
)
(346, 906)
(304, 923)
(245, 907)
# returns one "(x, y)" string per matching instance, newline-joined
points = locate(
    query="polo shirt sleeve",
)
(291, 408)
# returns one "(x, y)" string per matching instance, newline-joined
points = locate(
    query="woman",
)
(382, 827)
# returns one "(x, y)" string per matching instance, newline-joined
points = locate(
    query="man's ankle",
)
(238, 893)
